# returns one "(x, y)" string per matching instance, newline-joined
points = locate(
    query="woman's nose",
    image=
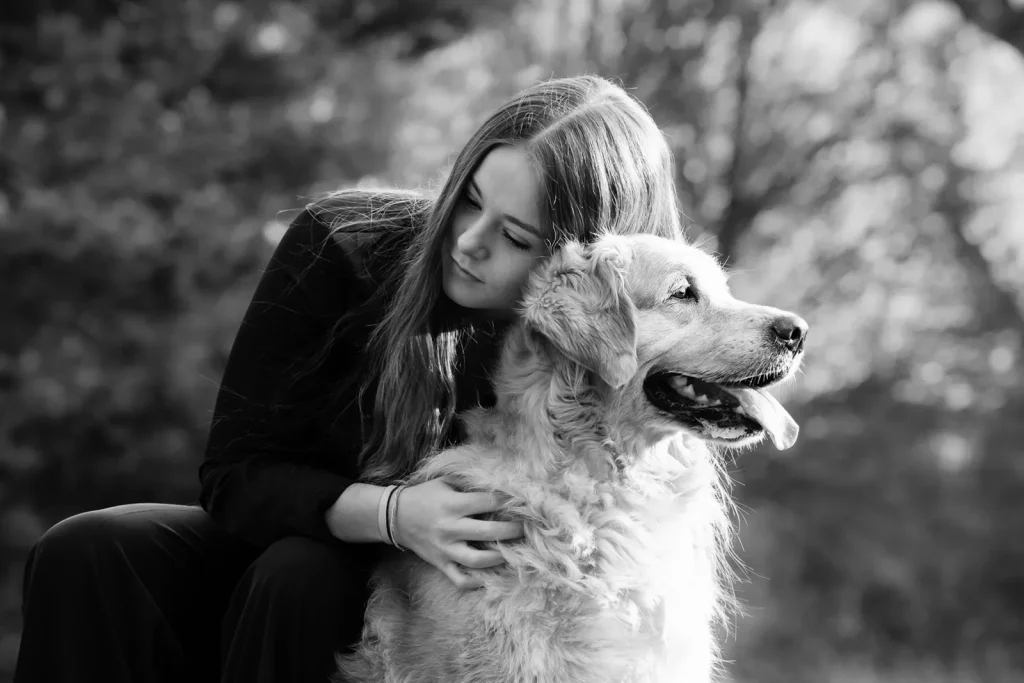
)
(472, 241)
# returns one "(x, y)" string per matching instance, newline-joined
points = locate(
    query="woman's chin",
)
(457, 294)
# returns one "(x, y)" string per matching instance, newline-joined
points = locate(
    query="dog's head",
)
(654, 320)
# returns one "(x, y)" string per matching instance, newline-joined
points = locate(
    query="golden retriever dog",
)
(630, 357)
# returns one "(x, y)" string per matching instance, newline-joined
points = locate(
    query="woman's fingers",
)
(462, 579)
(441, 526)
(433, 523)
(477, 503)
(476, 559)
(470, 529)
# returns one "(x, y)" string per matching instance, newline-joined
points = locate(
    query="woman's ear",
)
(579, 303)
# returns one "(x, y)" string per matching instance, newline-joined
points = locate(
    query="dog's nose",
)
(790, 331)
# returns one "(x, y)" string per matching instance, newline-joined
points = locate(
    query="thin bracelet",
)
(387, 517)
(390, 519)
(393, 517)
(382, 512)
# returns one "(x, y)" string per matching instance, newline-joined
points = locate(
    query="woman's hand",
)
(434, 521)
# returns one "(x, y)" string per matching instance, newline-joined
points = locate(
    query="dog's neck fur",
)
(547, 402)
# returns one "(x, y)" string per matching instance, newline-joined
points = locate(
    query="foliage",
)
(858, 163)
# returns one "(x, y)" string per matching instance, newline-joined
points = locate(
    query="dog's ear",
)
(579, 303)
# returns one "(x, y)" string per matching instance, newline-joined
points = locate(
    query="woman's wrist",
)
(354, 516)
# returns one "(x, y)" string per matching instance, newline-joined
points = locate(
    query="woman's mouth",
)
(465, 273)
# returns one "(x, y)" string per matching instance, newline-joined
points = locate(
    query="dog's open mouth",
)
(728, 412)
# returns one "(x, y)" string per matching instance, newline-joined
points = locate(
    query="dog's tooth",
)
(701, 398)
(688, 392)
(679, 382)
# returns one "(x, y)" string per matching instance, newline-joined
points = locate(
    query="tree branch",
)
(736, 218)
(998, 304)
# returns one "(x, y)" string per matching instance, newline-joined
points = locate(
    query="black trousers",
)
(152, 593)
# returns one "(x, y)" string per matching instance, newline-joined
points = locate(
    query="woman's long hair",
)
(603, 164)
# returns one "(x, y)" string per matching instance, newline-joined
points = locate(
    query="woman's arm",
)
(353, 516)
(270, 470)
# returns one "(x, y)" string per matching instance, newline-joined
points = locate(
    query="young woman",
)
(375, 323)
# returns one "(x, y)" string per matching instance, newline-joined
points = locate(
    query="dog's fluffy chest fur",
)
(612, 582)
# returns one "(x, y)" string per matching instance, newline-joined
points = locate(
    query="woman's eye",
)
(686, 294)
(522, 246)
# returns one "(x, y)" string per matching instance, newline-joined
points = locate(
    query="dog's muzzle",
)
(726, 412)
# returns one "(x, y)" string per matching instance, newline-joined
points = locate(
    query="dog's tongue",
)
(762, 406)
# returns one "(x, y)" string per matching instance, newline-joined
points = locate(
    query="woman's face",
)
(494, 239)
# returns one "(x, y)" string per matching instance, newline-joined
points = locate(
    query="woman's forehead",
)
(509, 183)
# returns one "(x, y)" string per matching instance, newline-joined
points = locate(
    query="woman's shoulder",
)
(369, 230)
(351, 238)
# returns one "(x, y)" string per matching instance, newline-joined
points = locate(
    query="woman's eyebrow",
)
(511, 219)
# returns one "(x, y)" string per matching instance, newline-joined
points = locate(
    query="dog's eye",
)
(686, 294)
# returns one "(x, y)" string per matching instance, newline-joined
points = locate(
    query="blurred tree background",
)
(861, 163)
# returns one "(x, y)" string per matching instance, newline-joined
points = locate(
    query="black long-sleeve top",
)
(286, 431)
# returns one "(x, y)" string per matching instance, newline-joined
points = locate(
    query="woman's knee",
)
(87, 534)
(74, 557)
(131, 542)
(75, 538)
